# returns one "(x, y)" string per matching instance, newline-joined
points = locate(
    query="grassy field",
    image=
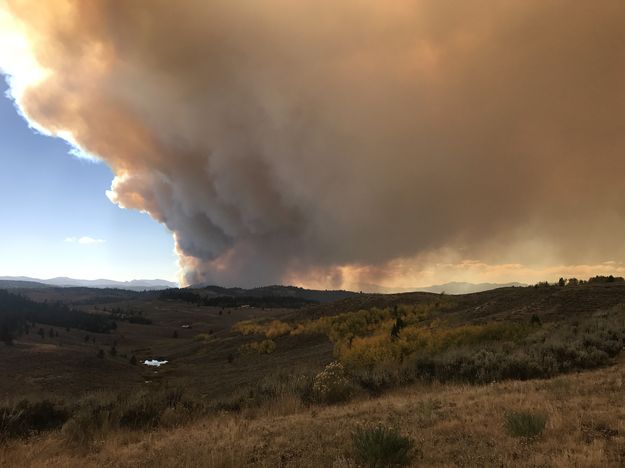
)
(451, 425)
(512, 377)
(204, 357)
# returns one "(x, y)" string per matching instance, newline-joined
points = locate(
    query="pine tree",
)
(5, 335)
(399, 324)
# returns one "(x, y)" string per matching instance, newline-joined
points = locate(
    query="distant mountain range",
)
(453, 287)
(315, 295)
(265, 291)
(466, 288)
(134, 285)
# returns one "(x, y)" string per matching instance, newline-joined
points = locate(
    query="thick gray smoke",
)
(281, 140)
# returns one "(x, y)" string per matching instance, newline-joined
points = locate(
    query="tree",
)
(42, 333)
(113, 351)
(175, 334)
(399, 324)
(101, 354)
(561, 282)
(5, 335)
(133, 360)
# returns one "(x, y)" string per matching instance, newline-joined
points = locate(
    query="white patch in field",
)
(154, 362)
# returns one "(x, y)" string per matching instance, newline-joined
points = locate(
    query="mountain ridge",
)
(453, 287)
(65, 282)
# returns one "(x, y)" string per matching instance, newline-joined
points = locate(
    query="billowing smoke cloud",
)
(282, 140)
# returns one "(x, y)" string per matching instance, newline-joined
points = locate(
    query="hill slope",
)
(247, 386)
(450, 426)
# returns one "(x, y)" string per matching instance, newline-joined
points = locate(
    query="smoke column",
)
(336, 143)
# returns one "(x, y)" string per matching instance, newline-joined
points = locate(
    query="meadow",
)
(512, 377)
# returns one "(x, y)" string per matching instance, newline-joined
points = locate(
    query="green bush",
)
(567, 348)
(378, 446)
(525, 423)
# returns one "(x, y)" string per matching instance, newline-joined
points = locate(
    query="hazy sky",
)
(337, 143)
(50, 200)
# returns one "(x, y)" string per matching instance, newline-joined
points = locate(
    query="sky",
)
(350, 144)
(52, 199)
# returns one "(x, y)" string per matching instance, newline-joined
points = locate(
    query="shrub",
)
(375, 380)
(26, 417)
(143, 411)
(260, 347)
(273, 329)
(332, 384)
(202, 337)
(266, 347)
(381, 447)
(94, 415)
(268, 390)
(525, 423)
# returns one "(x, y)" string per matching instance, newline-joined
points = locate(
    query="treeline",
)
(17, 313)
(129, 315)
(259, 302)
(180, 295)
(562, 282)
(268, 302)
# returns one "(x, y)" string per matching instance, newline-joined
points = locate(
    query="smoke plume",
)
(331, 142)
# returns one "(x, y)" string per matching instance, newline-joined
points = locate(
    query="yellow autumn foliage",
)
(382, 347)
(260, 347)
(367, 337)
(272, 329)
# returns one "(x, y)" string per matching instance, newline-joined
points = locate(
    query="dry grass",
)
(451, 425)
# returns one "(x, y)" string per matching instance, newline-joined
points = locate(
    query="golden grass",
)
(452, 425)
